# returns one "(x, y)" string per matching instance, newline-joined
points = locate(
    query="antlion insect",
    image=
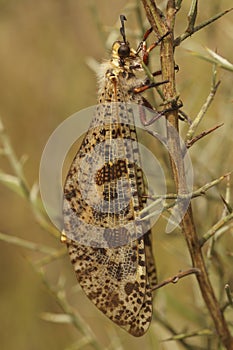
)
(108, 245)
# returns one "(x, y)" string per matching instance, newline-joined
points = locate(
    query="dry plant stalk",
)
(161, 23)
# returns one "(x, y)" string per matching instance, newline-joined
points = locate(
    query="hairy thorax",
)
(119, 76)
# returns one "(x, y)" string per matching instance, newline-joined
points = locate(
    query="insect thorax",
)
(119, 76)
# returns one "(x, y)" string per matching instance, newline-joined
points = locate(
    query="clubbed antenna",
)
(122, 29)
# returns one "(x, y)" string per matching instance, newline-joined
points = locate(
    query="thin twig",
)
(20, 185)
(201, 332)
(214, 59)
(178, 5)
(202, 112)
(27, 244)
(76, 319)
(192, 15)
(229, 295)
(204, 133)
(165, 324)
(176, 278)
(50, 258)
(15, 164)
(222, 222)
(159, 199)
(186, 34)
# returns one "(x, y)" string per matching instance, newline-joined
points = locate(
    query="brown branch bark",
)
(161, 23)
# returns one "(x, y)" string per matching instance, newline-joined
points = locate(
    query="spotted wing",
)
(111, 252)
(102, 199)
(116, 280)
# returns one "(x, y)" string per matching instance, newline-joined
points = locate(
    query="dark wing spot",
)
(129, 287)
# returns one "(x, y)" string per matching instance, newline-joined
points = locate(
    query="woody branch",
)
(161, 23)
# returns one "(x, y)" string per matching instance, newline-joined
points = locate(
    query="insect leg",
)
(159, 72)
(146, 51)
(147, 85)
(157, 114)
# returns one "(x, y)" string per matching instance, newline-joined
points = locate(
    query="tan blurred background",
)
(44, 78)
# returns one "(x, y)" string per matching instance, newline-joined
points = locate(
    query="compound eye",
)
(124, 50)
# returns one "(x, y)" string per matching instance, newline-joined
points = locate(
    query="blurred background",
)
(46, 49)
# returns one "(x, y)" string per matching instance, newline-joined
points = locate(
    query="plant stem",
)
(157, 21)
